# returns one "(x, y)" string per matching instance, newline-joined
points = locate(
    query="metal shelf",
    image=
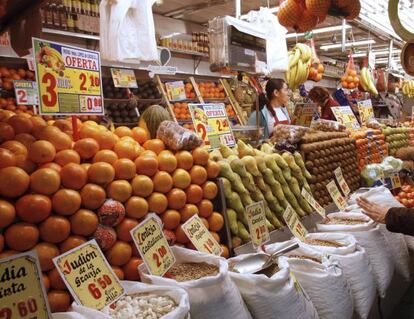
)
(71, 34)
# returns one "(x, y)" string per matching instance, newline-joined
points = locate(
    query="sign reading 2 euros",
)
(69, 79)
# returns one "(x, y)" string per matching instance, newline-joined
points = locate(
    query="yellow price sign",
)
(345, 116)
(366, 112)
(175, 91)
(392, 180)
(124, 78)
(22, 293)
(341, 181)
(294, 224)
(88, 276)
(309, 198)
(336, 195)
(256, 219)
(200, 236)
(153, 246)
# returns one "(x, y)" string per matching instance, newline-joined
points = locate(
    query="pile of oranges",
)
(52, 188)
(350, 80)
(211, 90)
(181, 111)
(189, 91)
(230, 111)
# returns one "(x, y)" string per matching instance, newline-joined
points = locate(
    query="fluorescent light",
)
(350, 44)
(359, 55)
(317, 31)
(386, 52)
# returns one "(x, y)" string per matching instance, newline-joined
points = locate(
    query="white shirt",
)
(281, 115)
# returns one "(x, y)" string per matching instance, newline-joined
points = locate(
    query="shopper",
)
(272, 107)
(397, 219)
(321, 96)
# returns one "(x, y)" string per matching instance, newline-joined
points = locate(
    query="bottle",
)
(43, 15)
(49, 15)
(63, 18)
(75, 22)
(55, 16)
(77, 7)
(70, 21)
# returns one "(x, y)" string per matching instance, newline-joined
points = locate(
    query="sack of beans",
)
(205, 278)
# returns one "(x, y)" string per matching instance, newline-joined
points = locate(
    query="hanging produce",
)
(367, 81)
(317, 69)
(408, 88)
(350, 80)
(299, 65)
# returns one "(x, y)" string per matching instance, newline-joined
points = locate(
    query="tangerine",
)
(66, 202)
(188, 211)
(59, 300)
(93, 196)
(119, 254)
(171, 219)
(106, 140)
(122, 131)
(86, 147)
(21, 236)
(7, 158)
(149, 153)
(198, 175)
(155, 145)
(124, 168)
(130, 269)
(213, 169)
(8, 213)
(14, 181)
(106, 156)
(181, 178)
(20, 124)
(120, 190)
(101, 173)
(140, 135)
(46, 282)
(176, 198)
(146, 165)
(136, 207)
(210, 190)
(54, 229)
(226, 252)
(73, 176)
(6, 132)
(118, 272)
(27, 165)
(70, 243)
(45, 181)
(180, 235)
(65, 157)
(46, 252)
(167, 161)
(33, 208)
(216, 221)
(184, 160)
(60, 140)
(200, 156)
(124, 227)
(51, 165)
(157, 203)
(56, 281)
(84, 222)
(194, 194)
(163, 182)
(17, 148)
(42, 152)
(127, 149)
(205, 208)
(142, 186)
(216, 236)
(26, 139)
(205, 222)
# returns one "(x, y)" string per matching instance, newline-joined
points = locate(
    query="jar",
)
(63, 17)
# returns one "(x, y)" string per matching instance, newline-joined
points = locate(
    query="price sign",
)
(22, 294)
(153, 246)
(124, 78)
(392, 180)
(256, 218)
(200, 236)
(345, 116)
(26, 92)
(336, 195)
(304, 114)
(88, 276)
(69, 79)
(341, 181)
(294, 224)
(309, 198)
(366, 112)
(212, 124)
(175, 91)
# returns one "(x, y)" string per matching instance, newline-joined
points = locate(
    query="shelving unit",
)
(71, 34)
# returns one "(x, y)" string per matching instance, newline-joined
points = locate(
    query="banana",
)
(295, 58)
(364, 80)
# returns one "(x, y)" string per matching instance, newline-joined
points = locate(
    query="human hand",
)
(373, 210)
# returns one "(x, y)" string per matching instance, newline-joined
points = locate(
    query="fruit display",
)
(230, 111)
(316, 70)
(395, 138)
(406, 196)
(189, 90)
(211, 90)
(111, 92)
(121, 112)
(151, 119)
(408, 88)
(350, 80)
(245, 96)
(299, 65)
(146, 90)
(181, 111)
(367, 81)
(323, 153)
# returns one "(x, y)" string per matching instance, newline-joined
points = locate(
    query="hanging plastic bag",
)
(317, 69)
(350, 79)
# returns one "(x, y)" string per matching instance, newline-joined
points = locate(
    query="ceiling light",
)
(317, 31)
(386, 52)
(327, 47)
(359, 55)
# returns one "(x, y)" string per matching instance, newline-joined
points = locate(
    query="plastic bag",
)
(210, 297)
(327, 126)
(176, 137)
(391, 163)
(371, 174)
(266, 297)
(289, 133)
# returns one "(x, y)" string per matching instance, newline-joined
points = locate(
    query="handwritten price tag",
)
(22, 293)
(124, 78)
(336, 195)
(294, 224)
(392, 181)
(309, 198)
(175, 91)
(26, 92)
(88, 276)
(256, 218)
(153, 246)
(200, 236)
(341, 181)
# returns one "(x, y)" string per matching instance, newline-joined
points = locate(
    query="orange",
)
(184, 160)
(70, 243)
(140, 135)
(73, 176)
(54, 229)
(157, 203)
(163, 182)
(188, 211)
(119, 254)
(42, 152)
(171, 219)
(6, 132)
(167, 161)
(142, 186)
(27, 165)
(127, 149)
(205, 208)
(205, 222)
(51, 165)
(120, 190)
(65, 157)
(107, 156)
(215, 235)
(181, 178)
(66, 202)
(45, 181)
(84, 222)
(20, 124)
(124, 168)
(101, 173)
(210, 190)
(176, 198)
(56, 281)
(21, 236)
(216, 221)
(136, 207)
(194, 194)
(198, 175)
(46, 252)
(226, 252)
(200, 156)
(122, 131)
(180, 236)
(86, 166)
(118, 272)
(146, 165)
(59, 300)
(213, 169)
(8, 213)
(14, 181)
(123, 229)
(149, 153)
(63, 125)
(25, 138)
(33, 208)
(17, 148)
(155, 145)
(60, 140)
(106, 140)
(46, 282)
(38, 125)
(93, 196)
(90, 131)
(130, 269)
(7, 158)
(86, 147)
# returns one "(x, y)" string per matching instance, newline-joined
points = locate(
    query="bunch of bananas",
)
(300, 60)
(367, 81)
(408, 88)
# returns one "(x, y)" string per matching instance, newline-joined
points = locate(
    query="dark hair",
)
(271, 86)
(319, 94)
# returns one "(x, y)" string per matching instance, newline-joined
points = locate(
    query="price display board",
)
(26, 92)
(294, 224)
(212, 124)
(309, 198)
(22, 294)
(175, 91)
(366, 112)
(304, 114)
(88, 276)
(392, 180)
(153, 246)
(346, 117)
(341, 181)
(124, 78)
(200, 236)
(336, 195)
(69, 79)
(256, 219)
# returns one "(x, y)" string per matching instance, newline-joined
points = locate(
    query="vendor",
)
(272, 107)
(325, 101)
